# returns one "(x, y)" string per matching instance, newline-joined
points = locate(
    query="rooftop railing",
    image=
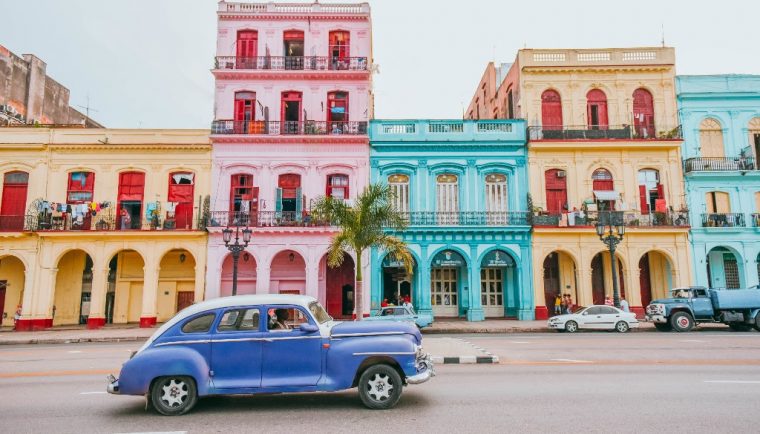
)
(276, 128)
(271, 7)
(292, 63)
(610, 132)
(715, 164)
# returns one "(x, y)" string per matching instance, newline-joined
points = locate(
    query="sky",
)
(146, 63)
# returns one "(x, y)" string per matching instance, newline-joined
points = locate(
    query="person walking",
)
(557, 305)
(570, 305)
(608, 301)
(624, 305)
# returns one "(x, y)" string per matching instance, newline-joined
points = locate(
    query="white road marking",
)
(691, 340)
(518, 342)
(92, 393)
(155, 432)
(74, 352)
(572, 361)
(732, 381)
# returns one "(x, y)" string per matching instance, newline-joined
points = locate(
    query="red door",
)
(247, 49)
(3, 285)
(131, 189)
(645, 281)
(556, 191)
(339, 49)
(80, 190)
(551, 110)
(180, 197)
(597, 279)
(13, 204)
(337, 112)
(291, 113)
(245, 112)
(596, 102)
(643, 113)
(185, 299)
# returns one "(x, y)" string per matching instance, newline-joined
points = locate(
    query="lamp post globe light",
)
(236, 248)
(611, 233)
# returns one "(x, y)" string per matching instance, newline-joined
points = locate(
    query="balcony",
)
(263, 219)
(724, 220)
(293, 8)
(107, 221)
(467, 218)
(712, 164)
(277, 128)
(623, 132)
(12, 223)
(632, 219)
(451, 131)
(292, 63)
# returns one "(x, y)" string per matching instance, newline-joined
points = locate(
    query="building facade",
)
(101, 226)
(603, 136)
(293, 97)
(721, 124)
(463, 186)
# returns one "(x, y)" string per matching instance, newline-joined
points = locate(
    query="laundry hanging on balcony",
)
(604, 195)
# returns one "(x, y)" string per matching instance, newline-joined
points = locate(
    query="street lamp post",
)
(236, 248)
(607, 233)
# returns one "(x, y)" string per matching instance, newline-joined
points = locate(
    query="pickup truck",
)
(686, 307)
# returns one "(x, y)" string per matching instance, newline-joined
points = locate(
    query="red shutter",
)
(15, 189)
(183, 195)
(643, 199)
(596, 99)
(643, 113)
(556, 191)
(551, 110)
(131, 186)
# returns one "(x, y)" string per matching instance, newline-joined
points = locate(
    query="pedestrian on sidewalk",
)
(17, 316)
(624, 305)
(557, 305)
(570, 305)
(608, 301)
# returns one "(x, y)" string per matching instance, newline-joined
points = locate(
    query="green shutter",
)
(278, 203)
(299, 204)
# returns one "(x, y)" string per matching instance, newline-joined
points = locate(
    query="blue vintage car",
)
(271, 344)
(401, 313)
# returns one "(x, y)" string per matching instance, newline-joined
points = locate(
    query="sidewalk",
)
(130, 332)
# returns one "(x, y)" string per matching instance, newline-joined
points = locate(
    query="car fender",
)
(680, 307)
(138, 373)
(346, 355)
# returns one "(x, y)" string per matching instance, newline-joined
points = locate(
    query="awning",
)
(607, 195)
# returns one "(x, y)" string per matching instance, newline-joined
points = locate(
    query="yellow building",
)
(101, 225)
(603, 136)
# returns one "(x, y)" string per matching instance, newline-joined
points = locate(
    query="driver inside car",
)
(279, 320)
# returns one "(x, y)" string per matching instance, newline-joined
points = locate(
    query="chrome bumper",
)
(425, 369)
(660, 319)
(113, 385)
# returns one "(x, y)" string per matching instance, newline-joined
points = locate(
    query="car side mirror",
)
(585, 313)
(308, 328)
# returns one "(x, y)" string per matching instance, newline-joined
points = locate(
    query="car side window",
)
(387, 312)
(400, 311)
(285, 319)
(596, 310)
(700, 293)
(199, 324)
(239, 320)
(608, 311)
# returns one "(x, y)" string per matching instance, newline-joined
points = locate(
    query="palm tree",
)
(362, 226)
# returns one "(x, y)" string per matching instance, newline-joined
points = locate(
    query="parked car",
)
(595, 318)
(737, 308)
(271, 344)
(400, 313)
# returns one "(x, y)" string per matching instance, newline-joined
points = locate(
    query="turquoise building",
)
(464, 187)
(720, 115)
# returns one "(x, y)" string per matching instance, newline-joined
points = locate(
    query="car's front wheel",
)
(571, 326)
(173, 395)
(380, 387)
(622, 327)
(681, 322)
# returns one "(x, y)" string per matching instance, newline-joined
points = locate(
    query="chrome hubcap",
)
(379, 387)
(174, 393)
(683, 322)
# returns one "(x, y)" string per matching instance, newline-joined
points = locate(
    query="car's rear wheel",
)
(664, 327)
(173, 395)
(681, 322)
(622, 327)
(571, 326)
(380, 387)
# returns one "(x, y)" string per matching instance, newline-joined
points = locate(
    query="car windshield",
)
(680, 293)
(319, 312)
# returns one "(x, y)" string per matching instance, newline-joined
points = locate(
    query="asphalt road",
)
(601, 382)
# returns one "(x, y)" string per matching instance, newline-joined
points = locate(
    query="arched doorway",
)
(73, 289)
(655, 278)
(339, 287)
(601, 277)
(499, 288)
(246, 278)
(397, 283)
(125, 288)
(551, 110)
(288, 273)
(643, 114)
(596, 109)
(176, 283)
(724, 268)
(12, 280)
(448, 274)
(560, 277)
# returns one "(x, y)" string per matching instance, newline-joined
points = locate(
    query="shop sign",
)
(497, 259)
(448, 258)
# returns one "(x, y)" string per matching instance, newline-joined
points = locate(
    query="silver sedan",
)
(595, 318)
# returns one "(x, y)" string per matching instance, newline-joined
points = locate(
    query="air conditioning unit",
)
(561, 174)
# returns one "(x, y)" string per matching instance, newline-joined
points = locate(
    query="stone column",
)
(262, 278)
(312, 279)
(26, 322)
(422, 290)
(149, 296)
(525, 296)
(475, 311)
(97, 316)
(200, 287)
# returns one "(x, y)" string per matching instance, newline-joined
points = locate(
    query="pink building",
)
(293, 97)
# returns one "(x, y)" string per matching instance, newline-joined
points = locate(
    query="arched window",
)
(247, 49)
(651, 192)
(496, 198)
(596, 108)
(603, 180)
(711, 139)
(399, 184)
(510, 104)
(754, 138)
(604, 189)
(80, 187)
(551, 110)
(447, 198)
(340, 42)
(643, 114)
(13, 204)
(556, 190)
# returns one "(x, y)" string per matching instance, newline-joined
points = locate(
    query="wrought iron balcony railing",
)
(107, 221)
(723, 220)
(276, 128)
(603, 132)
(262, 219)
(628, 218)
(292, 63)
(713, 164)
(468, 218)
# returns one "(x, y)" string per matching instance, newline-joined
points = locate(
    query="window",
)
(243, 196)
(606, 310)
(291, 113)
(388, 311)
(651, 192)
(603, 182)
(293, 44)
(247, 49)
(447, 198)
(337, 186)
(596, 310)
(285, 319)
(496, 194)
(289, 197)
(245, 106)
(551, 110)
(199, 324)
(179, 207)
(400, 187)
(717, 202)
(643, 114)
(340, 42)
(510, 105)
(81, 187)
(239, 320)
(556, 190)
(711, 139)
(491, 287)
(754, 138)
(443, 286)
(596, 108)
(130, 197)
(319, 312)
(337, 112)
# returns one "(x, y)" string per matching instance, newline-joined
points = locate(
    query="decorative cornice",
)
(253, 74)
(226, 16)
(327, 139)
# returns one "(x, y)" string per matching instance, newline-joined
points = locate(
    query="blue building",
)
(721, 126)
(464, 186)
